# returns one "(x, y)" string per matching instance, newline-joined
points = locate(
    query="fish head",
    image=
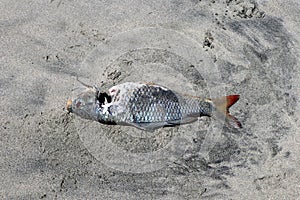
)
(85, 104)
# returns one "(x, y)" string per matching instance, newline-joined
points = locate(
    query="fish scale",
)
(148, 104)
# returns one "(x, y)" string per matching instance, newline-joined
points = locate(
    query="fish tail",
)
(222, 106)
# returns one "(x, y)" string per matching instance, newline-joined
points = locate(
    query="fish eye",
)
(78, 104)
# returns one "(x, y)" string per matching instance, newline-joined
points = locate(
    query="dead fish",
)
(148, 106)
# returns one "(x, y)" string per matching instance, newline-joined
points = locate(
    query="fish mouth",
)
(69, 105)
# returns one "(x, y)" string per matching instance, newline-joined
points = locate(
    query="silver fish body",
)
(145, 106)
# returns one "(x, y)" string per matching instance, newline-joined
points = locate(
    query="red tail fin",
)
(222, 106)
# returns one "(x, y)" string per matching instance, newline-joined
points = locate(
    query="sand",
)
(205, 48)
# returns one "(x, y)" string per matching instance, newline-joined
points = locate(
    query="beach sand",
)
(205, 48)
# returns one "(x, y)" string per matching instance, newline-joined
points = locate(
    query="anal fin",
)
(146, 126)
(185, 120)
